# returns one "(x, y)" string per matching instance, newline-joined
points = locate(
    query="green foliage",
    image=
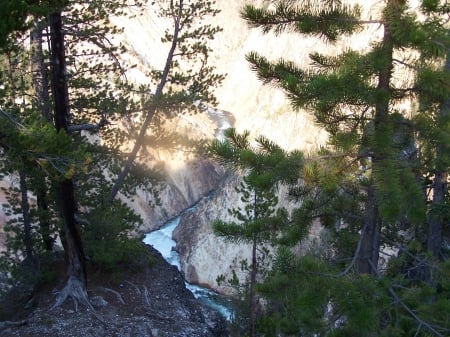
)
(307, 297)
(294, 309)
(13, 18)
(311, 18)
(259, 219)
(337, 85)
(265, 164)
(349, 99)
(188, 79)
(99, 95)
(372, 147)
(110, 238)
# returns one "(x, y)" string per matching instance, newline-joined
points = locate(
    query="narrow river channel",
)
(162, 241)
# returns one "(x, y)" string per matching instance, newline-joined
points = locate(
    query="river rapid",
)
(162, 241)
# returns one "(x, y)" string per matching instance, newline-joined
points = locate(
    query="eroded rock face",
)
(243, 101)
(187, 182)
(205, 256)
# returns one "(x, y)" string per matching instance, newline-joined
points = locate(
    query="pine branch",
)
(421, 322)
(11, 119)
(311, 17)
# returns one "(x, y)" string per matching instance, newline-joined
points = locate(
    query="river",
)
(162, 241)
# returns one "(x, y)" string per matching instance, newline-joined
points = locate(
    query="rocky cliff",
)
(203, 255)
(244, 103)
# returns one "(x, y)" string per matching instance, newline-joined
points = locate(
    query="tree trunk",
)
(44, 221)
(253, 271)
(436, 222)
(252, 295)
(370, 244)
(42, 96)
(28, 242)
(151, 109)
(75, 259)
(369, 252)
(39, 71)
(59, 73)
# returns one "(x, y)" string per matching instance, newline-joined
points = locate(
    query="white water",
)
(162, 241)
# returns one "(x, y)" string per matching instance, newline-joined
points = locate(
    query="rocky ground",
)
(152, 302)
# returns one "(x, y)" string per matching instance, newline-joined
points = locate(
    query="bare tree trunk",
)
(75, 259)
(436, 222)
(151, 109)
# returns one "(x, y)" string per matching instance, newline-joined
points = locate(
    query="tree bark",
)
(253, 271)
(436, 221)
(252, 295)
(151, 109)
(369, 252)
(73, 247)
(28, 243)
(39, 71)
(39, 75)
(44, 221)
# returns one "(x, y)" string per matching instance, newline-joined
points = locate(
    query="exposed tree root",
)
(119, 297)
(9, 324)
(75, 290)
(138, 291)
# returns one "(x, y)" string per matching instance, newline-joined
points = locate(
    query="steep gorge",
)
(253, 106)
(246, 103)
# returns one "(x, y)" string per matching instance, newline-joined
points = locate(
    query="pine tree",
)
(353, 97)
(41, 134)
(260, 219)
(434, 126)
(373, 160)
